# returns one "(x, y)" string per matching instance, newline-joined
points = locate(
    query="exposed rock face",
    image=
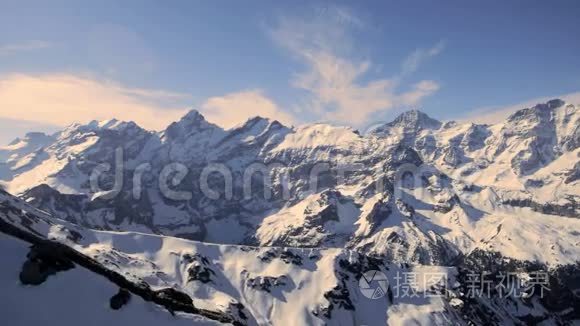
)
(120, 299)
(571, 207)
(173, 297)
(532, 132)
(475, 137)
(378, 214)
(198, 268)
(445, 206)
(338, 297)
(329, 212)
(48, 257)
(409, 123)
(574, 174)
(266, 283)
(68, 206)
(556, 290)
(286, 255)
(43, 261)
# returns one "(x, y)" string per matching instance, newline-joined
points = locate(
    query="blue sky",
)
(351, 63)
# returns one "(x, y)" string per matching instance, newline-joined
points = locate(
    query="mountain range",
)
(263, 221)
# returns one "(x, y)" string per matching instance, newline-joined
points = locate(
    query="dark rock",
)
(236, 308)
(402, 155)
(447, 206)
(339, 296)
(394, 237)
(285, 255)
(265, 283)
(531, 183)
(43, 261)
(475, 137)
(361, 265)
(558, 293)
(379, 213)
(329, 213)
(289, 257)
(198, 269)
(47, 255)
(120, 299)
(573, 174)
(199, 273)
(173, 299)
(569, 209)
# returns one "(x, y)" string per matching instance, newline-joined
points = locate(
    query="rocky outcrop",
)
(445, 206)
(379, 213)
(571, 208)
(49, 256)
(120, 299)
(574, 174)
(338, 297)
(198, 268)
(42, 262)
(286, 255)
(507, 283)
(266, 283)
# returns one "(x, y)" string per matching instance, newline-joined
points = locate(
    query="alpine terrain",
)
(416, 221)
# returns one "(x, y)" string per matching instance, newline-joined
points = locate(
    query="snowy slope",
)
(77, 297)
(265, 285)
(255, 285)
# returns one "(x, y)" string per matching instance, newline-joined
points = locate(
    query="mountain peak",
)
(30, 139)
(410, 121)
(35, 134)
(417, 120)
(108, 124)
(555, 103)
(249, 122)
(190, 123)
(193, 115)
(538, 111)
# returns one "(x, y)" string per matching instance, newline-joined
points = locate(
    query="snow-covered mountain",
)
(143, 275)
(23, 154)
(477, 176)
(413, 193)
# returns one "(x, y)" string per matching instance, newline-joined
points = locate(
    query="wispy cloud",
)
(61, 99)
(340, 84)
(58, 100)
(339, 14)
(24, 46)
(154, 94)
(415, 59)
(234, 108)
(418, 92)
